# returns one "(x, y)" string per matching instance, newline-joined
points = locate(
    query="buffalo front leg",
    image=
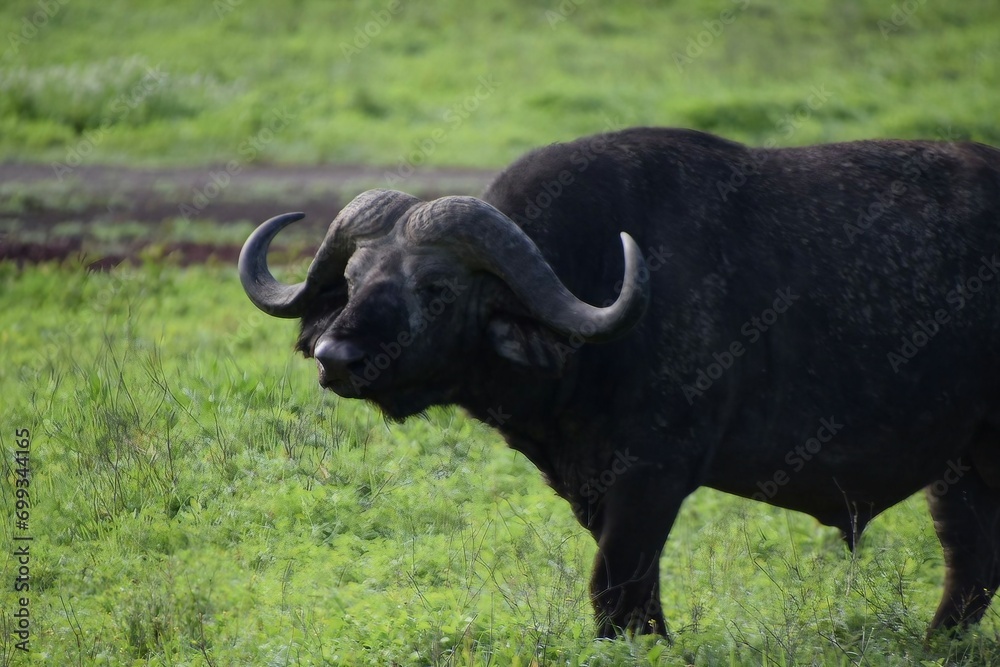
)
(634, 518)
(967, 520)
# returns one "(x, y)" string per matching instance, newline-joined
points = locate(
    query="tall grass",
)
(198, 500)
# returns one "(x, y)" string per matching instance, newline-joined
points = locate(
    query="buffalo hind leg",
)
(636, 514)
(966, 515)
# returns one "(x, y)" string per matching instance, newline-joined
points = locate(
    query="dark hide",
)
(822, 335)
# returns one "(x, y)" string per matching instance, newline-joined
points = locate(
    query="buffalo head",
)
(402, 292)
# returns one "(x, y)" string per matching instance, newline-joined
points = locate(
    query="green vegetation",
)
(197, 500)
(380, 82)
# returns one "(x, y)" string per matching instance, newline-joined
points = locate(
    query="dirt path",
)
(46, 215)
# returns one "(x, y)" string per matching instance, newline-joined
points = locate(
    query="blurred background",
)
(129, 112)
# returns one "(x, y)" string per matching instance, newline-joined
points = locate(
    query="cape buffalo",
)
(814, 327)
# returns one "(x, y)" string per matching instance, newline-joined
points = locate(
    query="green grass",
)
(198, 500)
(193, 82)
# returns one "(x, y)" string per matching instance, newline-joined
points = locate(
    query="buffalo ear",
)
(528, 344)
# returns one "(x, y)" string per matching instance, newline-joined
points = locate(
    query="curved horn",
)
(370, 214)
(485, 238)
(265, 292)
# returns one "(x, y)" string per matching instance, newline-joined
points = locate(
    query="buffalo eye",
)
(433, 289)
(334, 296)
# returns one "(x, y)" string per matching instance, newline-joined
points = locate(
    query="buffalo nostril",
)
(336, 355)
